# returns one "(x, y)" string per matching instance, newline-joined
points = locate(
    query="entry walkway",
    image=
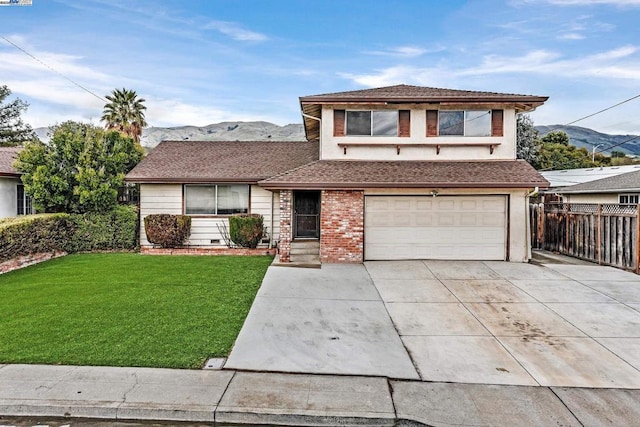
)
(323, 321)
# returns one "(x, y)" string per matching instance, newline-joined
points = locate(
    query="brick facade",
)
(342, 226)
(284, 244)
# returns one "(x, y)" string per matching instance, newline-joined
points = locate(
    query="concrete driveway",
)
(446, 321)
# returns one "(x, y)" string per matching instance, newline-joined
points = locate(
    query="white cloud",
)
(613, 64)
(619, 3)
(404, 51)
(399, 74)
(235, 31)
(571, 36)
(592, 2)
(174, 112)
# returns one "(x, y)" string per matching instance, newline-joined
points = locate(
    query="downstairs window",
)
(629, 199)
(216, 199)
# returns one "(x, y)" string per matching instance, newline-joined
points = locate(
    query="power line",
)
(52, 69)
(603, 110)
(616, 144)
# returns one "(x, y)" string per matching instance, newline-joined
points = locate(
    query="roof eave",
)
(604, 191)
(534, 100)
(207, 180)
(360, 185)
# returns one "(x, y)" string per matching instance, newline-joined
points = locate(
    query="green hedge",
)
(246, 230)
(114, 230)
(34, 234)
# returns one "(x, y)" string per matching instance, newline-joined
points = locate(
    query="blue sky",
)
(201, 62)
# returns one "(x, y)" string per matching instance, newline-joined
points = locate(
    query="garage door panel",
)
(443, 227)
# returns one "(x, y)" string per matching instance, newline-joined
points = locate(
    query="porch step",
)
(305, 247)
(305, 259)
(305, 252)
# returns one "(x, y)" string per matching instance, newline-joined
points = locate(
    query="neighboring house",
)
(567, 177)
(400, 172)
(621, 189)
(13, 200)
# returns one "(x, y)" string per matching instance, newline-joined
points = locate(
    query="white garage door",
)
(442, 227)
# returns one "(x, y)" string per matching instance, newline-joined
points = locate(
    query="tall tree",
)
(556, 153)
(13, 131)
(79, 170)
(527, 141)
(125, 113)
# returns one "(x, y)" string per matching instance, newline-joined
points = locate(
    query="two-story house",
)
(400, 172)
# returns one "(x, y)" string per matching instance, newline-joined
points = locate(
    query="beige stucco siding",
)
(8, 197)
(591, 198)
(519, 248)
(167, 198)
(505, 146)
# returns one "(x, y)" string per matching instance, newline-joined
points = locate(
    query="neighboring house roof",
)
(221, 161)
(7, 156)
(312, 105)
(566, 177)
(626, 182)
(343, 174)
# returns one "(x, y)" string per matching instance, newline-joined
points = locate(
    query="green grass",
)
(126, 309)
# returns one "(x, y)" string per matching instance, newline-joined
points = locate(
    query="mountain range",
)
(264, 131)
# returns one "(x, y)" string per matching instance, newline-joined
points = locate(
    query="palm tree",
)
(125, 113)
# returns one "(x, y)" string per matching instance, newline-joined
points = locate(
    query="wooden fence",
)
(603, 233)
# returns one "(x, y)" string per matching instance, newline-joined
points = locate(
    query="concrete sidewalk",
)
(214, 397)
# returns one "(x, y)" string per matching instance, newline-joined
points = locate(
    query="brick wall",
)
(27, 260)
(284, 245)
(342, 226)
(206, 251)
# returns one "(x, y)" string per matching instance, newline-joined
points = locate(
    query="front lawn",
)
(127, 309)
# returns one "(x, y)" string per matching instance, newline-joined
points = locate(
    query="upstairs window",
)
(372, 123)
(216, 199)
(629, 199)
(464, 123)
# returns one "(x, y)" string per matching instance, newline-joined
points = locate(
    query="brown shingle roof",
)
(341, 174)
(408, 93)
(7, 157)
(221, 161)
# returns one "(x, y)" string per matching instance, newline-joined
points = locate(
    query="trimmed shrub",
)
(34, 234)
(168, 231)
(246, 230)
(96, 231)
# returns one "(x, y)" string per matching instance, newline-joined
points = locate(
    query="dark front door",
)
(306, 214)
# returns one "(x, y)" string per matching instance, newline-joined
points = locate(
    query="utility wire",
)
(603, 110)
(616, 144)
(52, 69)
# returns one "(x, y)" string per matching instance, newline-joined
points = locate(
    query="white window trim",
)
(216, 214)
(629, 196)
